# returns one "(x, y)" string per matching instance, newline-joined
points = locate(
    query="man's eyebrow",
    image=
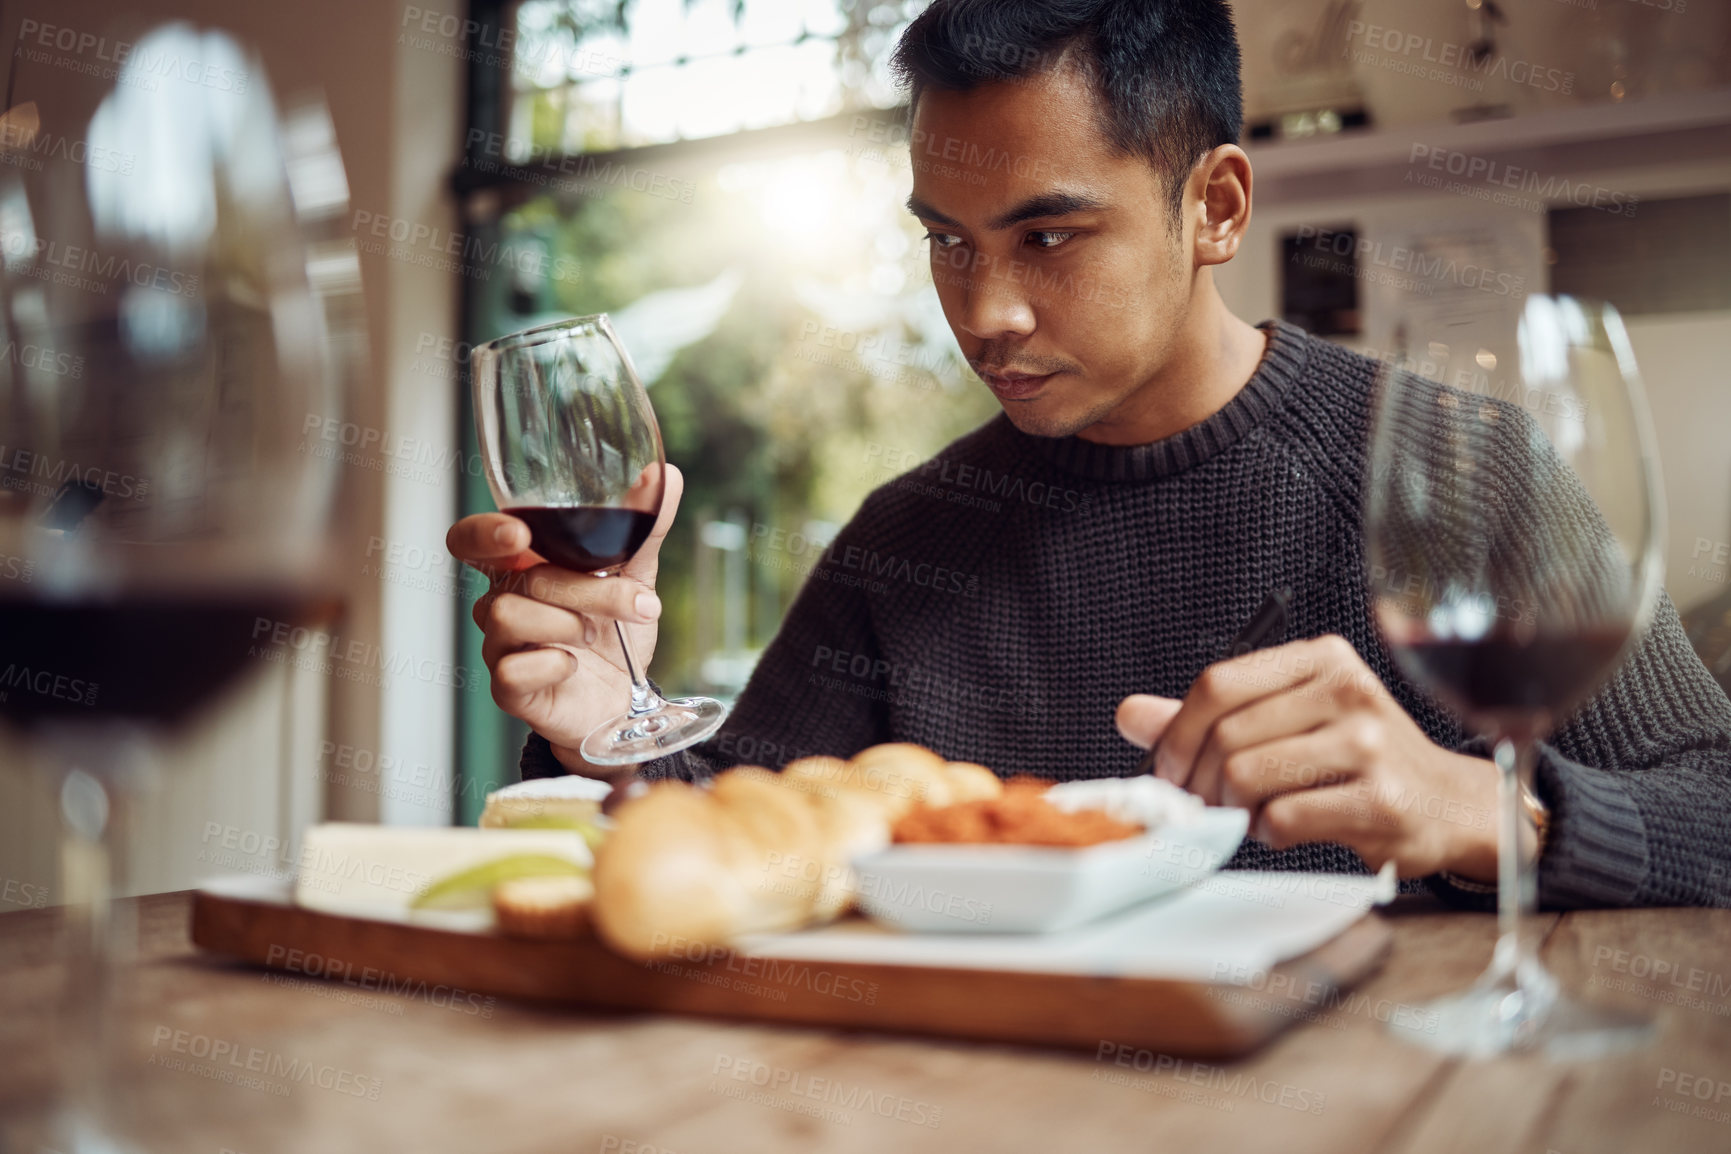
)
(926, 212)
(1047, 204)
(1034, 208)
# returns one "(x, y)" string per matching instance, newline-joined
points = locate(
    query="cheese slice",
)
(545, 802)
(375, 871)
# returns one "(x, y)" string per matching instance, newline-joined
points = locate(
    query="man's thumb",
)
(1142, 717)
(648, 559)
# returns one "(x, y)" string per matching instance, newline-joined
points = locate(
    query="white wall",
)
(416, 725)
(1686, 363)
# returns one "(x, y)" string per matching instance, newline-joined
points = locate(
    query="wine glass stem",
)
(643, 698)
(98, 771)
(1516, 888)
(86, 869)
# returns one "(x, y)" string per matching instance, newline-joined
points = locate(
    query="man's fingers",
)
(1236, 736)
(619, 598)
(488, 541)
(493, 652)
(1142, 717)
(1308, 761)
(518, 675)
(647, 562)
(513, 622)
(1342, 814)
(1229, 685)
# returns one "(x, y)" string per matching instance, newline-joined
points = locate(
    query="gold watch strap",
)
(1468, 884)
(1539, 814)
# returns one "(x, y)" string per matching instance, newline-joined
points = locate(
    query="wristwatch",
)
(1539, 814)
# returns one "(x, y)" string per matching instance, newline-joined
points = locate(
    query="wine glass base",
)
(674, 725)
(1499, 1015)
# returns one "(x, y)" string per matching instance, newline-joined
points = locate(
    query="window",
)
(725, 180)
(590, 77)
(1674, 256)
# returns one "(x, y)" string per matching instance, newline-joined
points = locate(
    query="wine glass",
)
(163, 348)
(573, 450)
(1513, 522)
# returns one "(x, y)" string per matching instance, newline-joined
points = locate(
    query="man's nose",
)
(992, 305)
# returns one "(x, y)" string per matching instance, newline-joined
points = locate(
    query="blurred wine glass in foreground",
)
(163, 351)
(1513, 523)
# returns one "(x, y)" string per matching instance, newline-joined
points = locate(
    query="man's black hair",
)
(1164, 73)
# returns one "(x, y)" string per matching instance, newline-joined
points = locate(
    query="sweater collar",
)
(1283, 363)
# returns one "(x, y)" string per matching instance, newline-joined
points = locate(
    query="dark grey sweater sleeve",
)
(1638, 778)
(802, 698)
(1639, 783)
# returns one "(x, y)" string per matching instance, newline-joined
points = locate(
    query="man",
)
(1185, 463)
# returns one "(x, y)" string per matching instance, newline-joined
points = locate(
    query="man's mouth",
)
(1009, 385)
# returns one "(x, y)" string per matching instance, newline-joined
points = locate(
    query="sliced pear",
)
(592, 832)
(473, 887)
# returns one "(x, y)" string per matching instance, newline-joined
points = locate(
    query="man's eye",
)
(944, 239)
(1049, 239)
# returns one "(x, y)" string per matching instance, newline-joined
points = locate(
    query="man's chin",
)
(1039, 420)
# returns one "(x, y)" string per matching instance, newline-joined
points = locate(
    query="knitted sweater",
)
(997, 602)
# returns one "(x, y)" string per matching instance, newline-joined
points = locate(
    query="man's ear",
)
(1218, 200)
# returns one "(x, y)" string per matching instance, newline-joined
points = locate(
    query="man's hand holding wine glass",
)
(555, 662)
(574, 458)
(1308, 738)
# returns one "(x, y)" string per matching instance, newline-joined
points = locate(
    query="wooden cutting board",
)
(1181, 1018)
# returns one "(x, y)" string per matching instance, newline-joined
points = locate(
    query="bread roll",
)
(548, 909)
(854, 821)
(970, 782)
(852, 824)
(817, 776)
(752, 853)
(788, 846)
(674, 870)
(759, 851)
(773, 812)
(900, 774)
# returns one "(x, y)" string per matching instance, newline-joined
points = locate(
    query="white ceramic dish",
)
(992, 889)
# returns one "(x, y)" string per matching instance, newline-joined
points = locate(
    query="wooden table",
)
(431, 1072)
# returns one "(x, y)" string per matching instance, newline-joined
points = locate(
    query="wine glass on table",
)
(1513, 523)
(164, 346)
(573, 450)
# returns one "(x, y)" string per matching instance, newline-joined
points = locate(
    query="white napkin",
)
(1231, 927)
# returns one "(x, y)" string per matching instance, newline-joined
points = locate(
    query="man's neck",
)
(1215, 357)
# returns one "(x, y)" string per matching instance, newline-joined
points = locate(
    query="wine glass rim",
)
(551, 331)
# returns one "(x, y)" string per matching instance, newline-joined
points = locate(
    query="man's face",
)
(1053, 255)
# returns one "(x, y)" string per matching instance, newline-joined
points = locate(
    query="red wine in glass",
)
(585, 538)
(157, 658)
(1504, 674)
